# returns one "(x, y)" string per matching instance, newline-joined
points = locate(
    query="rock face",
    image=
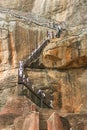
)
(66, 87)
(71, 53)
(17, 41)
(20, 113)
(64, 59)
(17, 112)
(54, 122)
(71, 12)
(18, 4)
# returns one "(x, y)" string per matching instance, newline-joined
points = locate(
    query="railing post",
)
(41, 103)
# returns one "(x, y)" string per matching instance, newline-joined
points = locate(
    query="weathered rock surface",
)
(18, 4)
(20, 113)
(78, 121)
(15, 113)
(54, 122)
(64, 59)
(71, 12)
(66, 53)
(66, 86)
(17, 41)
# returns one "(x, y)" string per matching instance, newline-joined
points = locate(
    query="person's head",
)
(21, 62)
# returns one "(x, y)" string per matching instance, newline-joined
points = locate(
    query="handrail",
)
(42, 100)
(33, 56)
(36, 95)
(35, 53)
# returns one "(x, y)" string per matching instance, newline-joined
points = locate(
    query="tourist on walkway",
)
(59, 30)
(20, 72)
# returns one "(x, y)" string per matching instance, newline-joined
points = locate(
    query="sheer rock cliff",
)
(23, 26)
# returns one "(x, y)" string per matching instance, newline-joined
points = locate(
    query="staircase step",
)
(43, 125)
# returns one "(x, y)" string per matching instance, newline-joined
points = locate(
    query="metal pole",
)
(41, 103)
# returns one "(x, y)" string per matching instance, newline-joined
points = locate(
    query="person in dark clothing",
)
(48, 34)
(59, 30)
(41, 93)
(52, 34)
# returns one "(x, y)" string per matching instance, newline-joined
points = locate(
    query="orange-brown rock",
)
(64, 60)
(67, 53)
(17, 107)
(77, 121)
(17, 41)
(54, 122)
(34, 117)
(27, 122)
(67, 87)
(85, 127)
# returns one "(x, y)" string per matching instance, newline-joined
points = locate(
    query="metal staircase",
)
(36, 53)
(39, 97)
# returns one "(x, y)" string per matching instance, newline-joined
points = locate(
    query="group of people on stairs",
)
(57, 34)
(23, 79)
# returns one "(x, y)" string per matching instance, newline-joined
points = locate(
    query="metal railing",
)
(31, 94)
(35, 53)
(22, 79)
